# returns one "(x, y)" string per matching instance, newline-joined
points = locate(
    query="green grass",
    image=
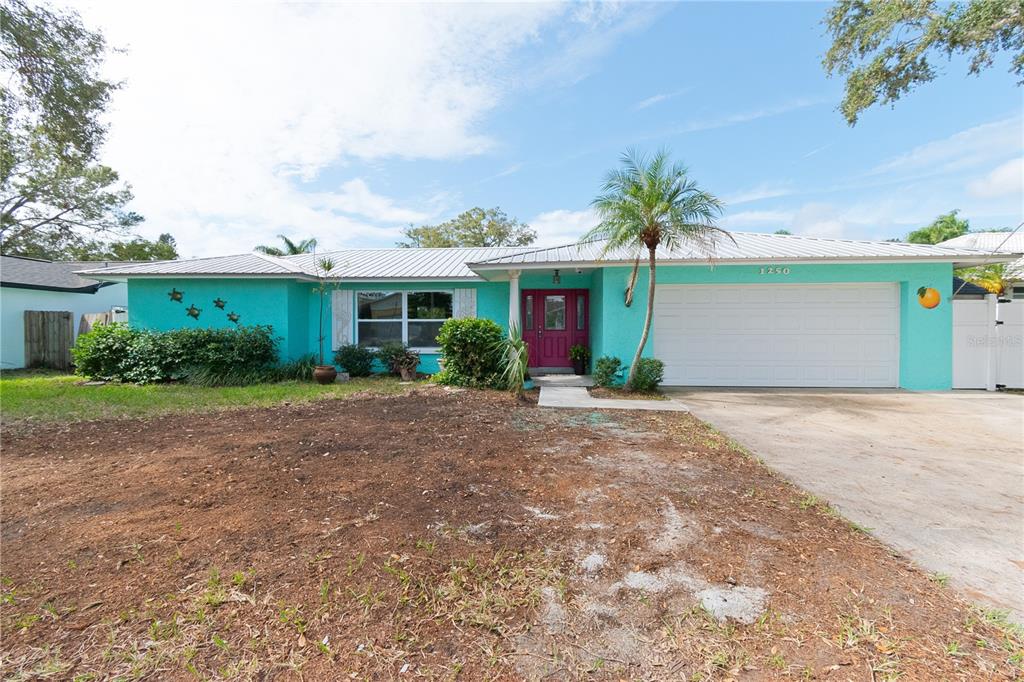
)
(39, 396)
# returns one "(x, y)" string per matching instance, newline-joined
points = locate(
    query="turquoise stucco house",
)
(768, 310)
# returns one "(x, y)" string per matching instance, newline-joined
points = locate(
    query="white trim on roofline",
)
(550, 265)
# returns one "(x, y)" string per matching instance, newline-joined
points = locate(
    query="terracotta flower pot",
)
(325, 374)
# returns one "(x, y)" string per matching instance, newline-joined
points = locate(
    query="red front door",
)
(553, 321)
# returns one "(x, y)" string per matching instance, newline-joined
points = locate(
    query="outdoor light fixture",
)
(557, 279)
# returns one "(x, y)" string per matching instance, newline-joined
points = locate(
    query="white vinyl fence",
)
(988, 344)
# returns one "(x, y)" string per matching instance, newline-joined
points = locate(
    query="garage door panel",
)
(820, 322)
(878, 296)
(778, 335)
(784, 321)
(784, 296)
(881, 374)
(880, 323)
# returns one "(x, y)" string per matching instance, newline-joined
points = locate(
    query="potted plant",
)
(580, 356)
(406, 364)
(323, 373)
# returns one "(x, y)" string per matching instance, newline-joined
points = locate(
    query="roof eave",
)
(124, 276)
(88, 289)
(957, 261)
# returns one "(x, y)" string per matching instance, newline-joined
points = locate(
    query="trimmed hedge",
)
(471, 349)
(117, 352)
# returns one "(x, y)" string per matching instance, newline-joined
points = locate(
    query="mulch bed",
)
(621, 393)
(448, 534)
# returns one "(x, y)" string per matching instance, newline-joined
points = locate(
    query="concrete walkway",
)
(939, 476)
(578, 397)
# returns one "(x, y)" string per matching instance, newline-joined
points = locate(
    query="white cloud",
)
(504, 173)
(605, 22)
(747, 116)
(966, 149)
(757, 193)
(816, 150)
(650, 101)
(756, 219)
(355, 197)
(562, 226)
(1004, 180)
(820, 220)
(233, 113)
(656, 99)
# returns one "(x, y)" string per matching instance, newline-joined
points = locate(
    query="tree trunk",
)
(631, 287)
(647, 320)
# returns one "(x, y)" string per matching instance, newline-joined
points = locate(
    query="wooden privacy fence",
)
(49, 335)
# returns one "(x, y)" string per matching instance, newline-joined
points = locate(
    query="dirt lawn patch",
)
(449, 534)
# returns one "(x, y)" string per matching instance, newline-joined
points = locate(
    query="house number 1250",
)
(772, 270)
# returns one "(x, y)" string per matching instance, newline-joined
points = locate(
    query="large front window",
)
(410, 317)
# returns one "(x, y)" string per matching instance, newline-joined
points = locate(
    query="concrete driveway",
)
(938, 476)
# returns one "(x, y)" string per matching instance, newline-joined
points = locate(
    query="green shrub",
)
(649, 373)
(355, 360)
(227, 351)
(471, 350)
(152, 357)
(606, 370)
(103, 352)
(116, 352)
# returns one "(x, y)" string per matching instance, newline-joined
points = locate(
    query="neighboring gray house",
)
(35, 284)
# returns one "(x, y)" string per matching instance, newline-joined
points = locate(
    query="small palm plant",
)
(515, 359)
(323, 373)
(648, 202)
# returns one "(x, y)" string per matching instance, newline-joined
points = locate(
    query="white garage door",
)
(778, 334)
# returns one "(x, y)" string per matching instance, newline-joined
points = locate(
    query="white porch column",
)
(513, 301)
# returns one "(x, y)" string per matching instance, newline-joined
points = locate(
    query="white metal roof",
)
(243, 264)
(394, 263)
(399, 263)
(999, 242)
(744, 246)
(1004, 242)
(467, 263)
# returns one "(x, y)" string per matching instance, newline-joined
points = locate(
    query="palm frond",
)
(649, 200)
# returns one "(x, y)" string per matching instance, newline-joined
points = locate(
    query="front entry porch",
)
(553, 321)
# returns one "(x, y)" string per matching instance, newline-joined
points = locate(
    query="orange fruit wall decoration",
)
(928, 297)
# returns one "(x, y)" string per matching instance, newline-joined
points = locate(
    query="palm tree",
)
(995, 277)
(290, 247)
(647, 202)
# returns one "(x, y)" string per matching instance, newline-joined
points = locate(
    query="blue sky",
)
(349, 122)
